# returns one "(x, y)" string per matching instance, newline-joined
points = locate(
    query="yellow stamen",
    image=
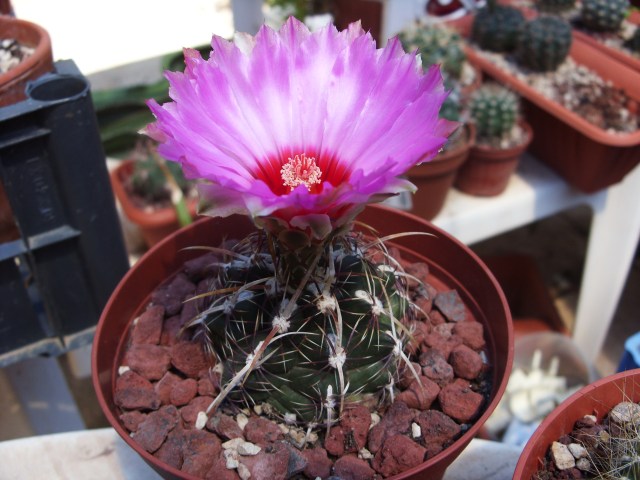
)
(301, 170)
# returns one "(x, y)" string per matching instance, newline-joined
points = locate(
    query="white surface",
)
(102, 35)
(103, 455)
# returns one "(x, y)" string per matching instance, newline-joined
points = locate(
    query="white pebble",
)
(242, 420)
(577, 450)
(201, 420)
(365, 454)
(583, 464)
(244, 472)
(231, 457)
(248, 448)
(122, 369)
(375, 419)
(416, 431)
(562, 456)
(626, 413)
(232, 444)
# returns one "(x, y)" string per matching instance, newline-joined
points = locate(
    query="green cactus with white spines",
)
(555, 6)
(544, 43)
(604, 15)
(331, 330)
(494, 110)
(496, 27)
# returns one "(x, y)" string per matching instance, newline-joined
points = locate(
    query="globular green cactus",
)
(494, 110)
(437, 44)
(544, 43)
(603, 15)
(555, 6)
(496, 27)
(329, 329)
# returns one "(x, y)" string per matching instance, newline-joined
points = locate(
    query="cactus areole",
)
(299, 131)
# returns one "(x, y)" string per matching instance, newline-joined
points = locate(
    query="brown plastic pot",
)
(451, 264)
(435, 178)
(487, 171)
(154, 224)
(597, 399)
(586, 156)
(13, 82)
(615, 53)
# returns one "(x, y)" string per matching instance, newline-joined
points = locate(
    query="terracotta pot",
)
(435, 178)
(13, 82)
(586, 156)
(487, 170)
(452, 265)
(154, 225)
(597, 399)
(367, 11)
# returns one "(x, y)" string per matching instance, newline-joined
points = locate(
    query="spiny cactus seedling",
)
(494, 110)
(437, 44)
(496, 27)
(603, 15)
(326, 318)
(555, 6)
(544, 43)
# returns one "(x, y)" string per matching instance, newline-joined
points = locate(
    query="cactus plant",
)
(544, 43)
(496, 27)
(351, 358)
(603, 15)
(555, 6)
(494, 110)
(304, 312)
(437, 43)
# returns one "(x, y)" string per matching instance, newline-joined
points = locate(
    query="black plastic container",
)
(57, 276)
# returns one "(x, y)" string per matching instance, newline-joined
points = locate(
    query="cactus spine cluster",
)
(555, 6)
(604, 15)
(496, 27)
(544, 43)
(494, 110)
(324, 321)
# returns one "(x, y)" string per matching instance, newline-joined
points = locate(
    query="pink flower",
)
(300, 128)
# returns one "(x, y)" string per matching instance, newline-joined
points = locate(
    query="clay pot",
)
(368, 12)
(487, 170)
(435, 178)
(449, 262)
(586, 156)
(597, 399)
(13, 82)
(154, 225)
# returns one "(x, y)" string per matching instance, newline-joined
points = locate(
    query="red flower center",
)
(283, 174)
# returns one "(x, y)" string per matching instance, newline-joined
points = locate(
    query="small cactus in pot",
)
(494, 110)
(496, 27)
(603, 15)
(544, 43)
